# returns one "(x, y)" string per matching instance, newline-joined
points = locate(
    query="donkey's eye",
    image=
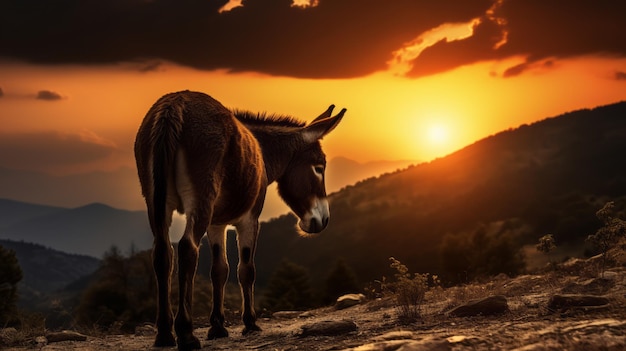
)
(318, 169)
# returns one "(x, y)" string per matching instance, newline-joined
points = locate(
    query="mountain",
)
(46, 271)
(120, 188)
(548, 177)
(88, 230)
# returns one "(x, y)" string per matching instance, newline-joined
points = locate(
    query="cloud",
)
(345, 38)
(48, 95)
(1, 92)
(619, 75)
(51, 150)
(329, 39)
(537, 30)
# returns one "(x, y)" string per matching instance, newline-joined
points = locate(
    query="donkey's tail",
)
(166, 131)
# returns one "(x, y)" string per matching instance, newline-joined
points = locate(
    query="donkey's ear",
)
(324, 114)
(322, 125)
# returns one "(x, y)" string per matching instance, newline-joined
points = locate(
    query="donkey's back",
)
(196, 148)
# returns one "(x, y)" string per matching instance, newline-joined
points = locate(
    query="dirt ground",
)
(528, 324)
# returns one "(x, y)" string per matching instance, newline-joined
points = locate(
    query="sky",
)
(420, 79)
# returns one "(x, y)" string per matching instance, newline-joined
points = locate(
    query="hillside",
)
(87, 230)
(46, 271)
(548, 177)
(569, 308)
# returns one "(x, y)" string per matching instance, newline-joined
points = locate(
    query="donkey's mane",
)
(265, 119)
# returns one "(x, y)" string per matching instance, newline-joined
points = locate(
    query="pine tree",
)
(340, 281)
(10, 275)
(288, 289)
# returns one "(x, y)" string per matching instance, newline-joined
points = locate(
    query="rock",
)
(7, 335)
(286, 314)
(397, 335)
(145, 330)
(65, 335)
(594, 286)
(328, 328)
(566, 302)
(349, 300)
(488, 306)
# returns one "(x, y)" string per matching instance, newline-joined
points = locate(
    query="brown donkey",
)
(201, 159)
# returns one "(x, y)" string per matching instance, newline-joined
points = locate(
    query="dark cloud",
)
(51, 150)
(538, 30)
(1, 92)
(620, 75)
(48, 95)
(345, 38)
(333, 39)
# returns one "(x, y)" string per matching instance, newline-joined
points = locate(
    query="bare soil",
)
(528, 325)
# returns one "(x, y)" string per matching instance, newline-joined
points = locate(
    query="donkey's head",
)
(302, 185)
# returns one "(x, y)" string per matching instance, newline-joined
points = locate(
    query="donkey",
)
(214, 165)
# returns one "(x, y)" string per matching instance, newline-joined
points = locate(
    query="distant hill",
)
(88, 230)
(46, 271)
(548, 177)
(120, 188)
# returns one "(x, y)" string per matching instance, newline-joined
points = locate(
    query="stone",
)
(328, 328)
(7, 335)
(349, 300)
(488, 306)
(145, 330)
(566, 302)
(286, 314)
(65, 335)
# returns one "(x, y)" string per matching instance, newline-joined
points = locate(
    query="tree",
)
(483, 252)
(610, 234)
(288, 289)
(340, 281)
(10, 275)
(546, 245)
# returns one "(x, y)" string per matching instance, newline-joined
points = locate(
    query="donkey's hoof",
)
(188, 343)
(164, 340)
(216, 332)
(251, 329)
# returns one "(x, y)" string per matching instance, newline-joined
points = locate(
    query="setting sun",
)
(437, 134)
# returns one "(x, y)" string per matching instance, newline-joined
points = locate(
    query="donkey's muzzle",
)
(316, 219)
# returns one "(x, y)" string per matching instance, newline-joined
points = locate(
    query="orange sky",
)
(388, 118)
(419, 79)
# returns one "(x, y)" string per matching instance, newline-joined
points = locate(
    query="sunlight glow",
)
(437, 134)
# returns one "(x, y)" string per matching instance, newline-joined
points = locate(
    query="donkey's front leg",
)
(247, 233)
(219, 276)
(187, 264)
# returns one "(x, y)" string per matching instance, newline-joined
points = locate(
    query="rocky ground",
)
(566, 309)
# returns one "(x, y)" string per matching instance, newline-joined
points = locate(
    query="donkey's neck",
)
(278, 147)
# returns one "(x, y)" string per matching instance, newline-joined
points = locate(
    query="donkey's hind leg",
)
(219, 276)
(247, 233)
(162, 257)
(187, 263)
(162, 254)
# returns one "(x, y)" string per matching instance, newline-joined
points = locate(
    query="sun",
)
(437, 134)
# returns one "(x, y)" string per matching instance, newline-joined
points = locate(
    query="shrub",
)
(409, 291)
(10, 275)
(606, 237)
